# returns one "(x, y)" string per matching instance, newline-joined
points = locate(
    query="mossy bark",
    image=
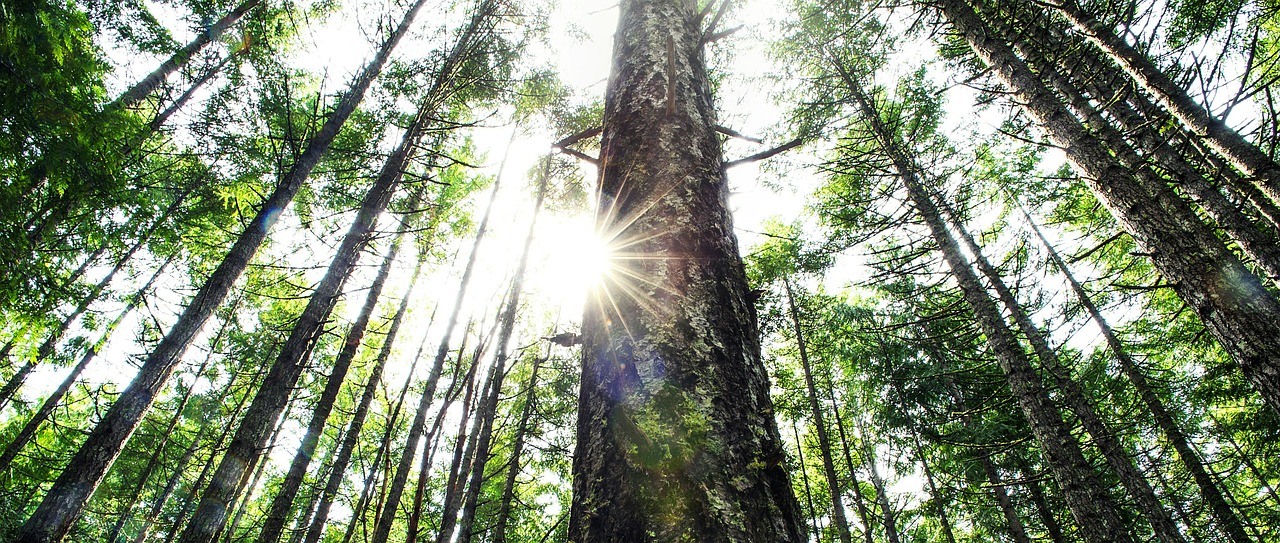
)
(676, 435)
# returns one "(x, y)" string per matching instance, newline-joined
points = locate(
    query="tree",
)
(676, 438)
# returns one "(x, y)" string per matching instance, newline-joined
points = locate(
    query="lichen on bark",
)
(676, 436)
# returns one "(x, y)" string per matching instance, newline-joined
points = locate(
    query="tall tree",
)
(676, 436)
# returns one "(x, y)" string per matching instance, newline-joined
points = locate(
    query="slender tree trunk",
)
(517, 450)
(185, 507)
(819, 422)
(489, 406)
(863, 513)
(1074, 396)
(28, 431)
(1047, 517)
(1095, 511)
(158, 503)
(1017, 530)
(1222, 511)
(257, 469)
(484, 10)
(1230, 300)
(282, 503)
(804, 478)
(351, 438)
(46, 349)
(676, 435)
(211, 514)
(71, 491)
(142, 89)
(887, 513)
(1230, 144)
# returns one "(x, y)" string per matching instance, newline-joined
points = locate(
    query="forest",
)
(881, 271)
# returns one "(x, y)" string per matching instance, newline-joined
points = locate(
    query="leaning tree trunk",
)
(489, 407)
(1095, 511)
(676, 434)
(282, 504)
(142, 89)
(517, 450)
(1073, 395)
(351, 438)
(1242, 154)
(864, 514)
(70, 493)
(273, 395)
(1227, 519)
(819, 422)
(28, 431)
(1230, 300)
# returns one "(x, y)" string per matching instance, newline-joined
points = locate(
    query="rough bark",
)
(1095, 511)
(819, 422)
(676, 434)
(67, 497)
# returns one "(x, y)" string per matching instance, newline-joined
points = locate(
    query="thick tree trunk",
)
(676, 434)
(1095, 511)
(142, 89)
(1220, 137)
(1222, 511)
(1230, 300)
(819, 422)
(71, 491)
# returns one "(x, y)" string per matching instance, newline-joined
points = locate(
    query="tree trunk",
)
(517, 450)
(483, 11)
(1230, 144)
(820, 425)
(804, 478)
(352, 436)
(28, 431)
(887, 514)
(67, 497)
(157, 505)
(282, 503)
(1095, 511)
(1222, 511)
(676, 436)
(489, 406)
(1047, 516)
(245, 484)
(863, 514)
(463, 452)
(1074, 396)
(142, 89)
(1230, 300)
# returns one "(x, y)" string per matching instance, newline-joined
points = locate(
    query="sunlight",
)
(579, 260)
